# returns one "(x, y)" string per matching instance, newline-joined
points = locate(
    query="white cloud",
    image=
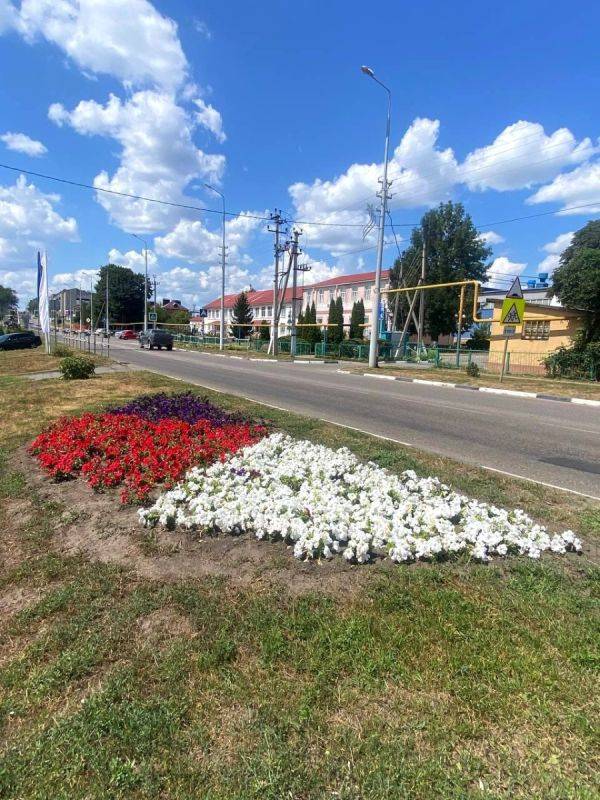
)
(503, 266)
(554, 249)
(130, 40)
(133, 259)
(579, 187)
(21, 143)
(211, 119)
(491, 237)
(522, 155)
(158, 156)
(8, 16)
(203, 29)
(77, 278)
(23, 282)
(422, 175)
(28, 220)
(198, 287)
(191, 241)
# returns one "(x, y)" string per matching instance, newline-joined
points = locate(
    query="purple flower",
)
(185, 406)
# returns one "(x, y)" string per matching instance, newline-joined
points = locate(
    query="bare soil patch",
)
(99, 527)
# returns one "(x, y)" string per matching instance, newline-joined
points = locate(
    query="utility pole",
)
(422, 298)
(154, 323)
(373, 344)
(91, 304)
(145, 243)
(295, 250)
(278, 222)
(106, 302)
(223, 256)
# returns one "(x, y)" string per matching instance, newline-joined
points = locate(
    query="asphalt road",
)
(542, 440)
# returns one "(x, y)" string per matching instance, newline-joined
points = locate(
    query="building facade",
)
(544, 329)
(350, 288)
(64, 304)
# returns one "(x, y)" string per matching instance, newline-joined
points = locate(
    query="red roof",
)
(358, 277)
(260, 298)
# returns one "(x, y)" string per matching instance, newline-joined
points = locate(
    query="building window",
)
(354, 293)
(269, 311)
(536, 329)
(321, 296)
(368, 292)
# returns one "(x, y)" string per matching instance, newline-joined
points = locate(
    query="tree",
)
(32, 306)
(242, 316)
(454, 252)
(357, 319)
(176, 317)
(480, 338)
(125, 293)
(577, 286)
(9, 301)
(264, 331)
(587, 237)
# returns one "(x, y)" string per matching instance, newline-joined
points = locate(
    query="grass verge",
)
(23, 362)
(430, 681)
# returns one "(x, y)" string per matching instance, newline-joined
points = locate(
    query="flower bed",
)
(326, 502)
(184, 406)
(123, 448)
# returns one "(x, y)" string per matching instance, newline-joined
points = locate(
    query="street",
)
(545, 441)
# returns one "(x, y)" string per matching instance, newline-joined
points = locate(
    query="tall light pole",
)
(145, 243)
(384, 196)
(222, 327)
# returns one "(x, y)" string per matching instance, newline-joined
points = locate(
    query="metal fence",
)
(92, 344)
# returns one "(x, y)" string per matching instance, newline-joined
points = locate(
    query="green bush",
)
(76, 368)
(61, 351)
(575, 362)
(473, 370)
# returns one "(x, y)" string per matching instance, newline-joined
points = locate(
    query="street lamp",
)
(222, 327)
(145, 243)
(384, 196)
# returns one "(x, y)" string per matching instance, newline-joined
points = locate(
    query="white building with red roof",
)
(350, 288)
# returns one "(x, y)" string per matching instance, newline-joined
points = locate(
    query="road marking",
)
(368, 433)
(239, 358)
(541, 483)
(434, 383)
(379, 377)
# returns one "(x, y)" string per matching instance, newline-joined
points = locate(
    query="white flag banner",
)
(42, 288)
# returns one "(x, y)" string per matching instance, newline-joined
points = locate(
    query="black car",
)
(155, 338)
(19, 341)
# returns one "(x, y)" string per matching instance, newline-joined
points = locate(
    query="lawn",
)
(125, 677)
(22, 362)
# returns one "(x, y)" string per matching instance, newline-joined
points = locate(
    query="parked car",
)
(19, 341)
(156, 338)
(102, 332)
(127, 334)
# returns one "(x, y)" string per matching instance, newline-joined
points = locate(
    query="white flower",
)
(325, 501)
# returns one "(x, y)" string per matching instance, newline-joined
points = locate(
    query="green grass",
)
(431, 681)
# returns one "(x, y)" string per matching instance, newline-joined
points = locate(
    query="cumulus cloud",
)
(195, 288)
(190, 240)
(21, 143)
(158, 155)
(133, 259)
(67, 280)
(8, 16)
(579, 187)
(491, 237)
(28, 220)
(131, 41)
(504, 267)
(554, 249)
(522, 155)
(211, 119)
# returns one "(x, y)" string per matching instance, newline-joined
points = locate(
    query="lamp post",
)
(384, 196)
(222, 327)
(145, 243)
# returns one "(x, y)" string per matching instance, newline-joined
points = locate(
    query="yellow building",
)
(544, 329)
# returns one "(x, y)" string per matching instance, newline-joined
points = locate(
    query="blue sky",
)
(494, 105)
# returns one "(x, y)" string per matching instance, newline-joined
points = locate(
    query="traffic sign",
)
(203, 312)
(513, 306)
(152, 316)
(510, 330)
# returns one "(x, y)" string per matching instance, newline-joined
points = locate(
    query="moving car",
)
(156, 338)
(127, 334)
(19, 341)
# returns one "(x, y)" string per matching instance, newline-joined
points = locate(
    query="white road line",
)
(541, 483)
(368, 433)
(379, 377)
(582, 401)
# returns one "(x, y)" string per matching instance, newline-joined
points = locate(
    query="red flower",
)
(125, 450)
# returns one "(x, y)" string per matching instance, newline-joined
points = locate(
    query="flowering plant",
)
(185, 406)
(325, 502)
(111, 450)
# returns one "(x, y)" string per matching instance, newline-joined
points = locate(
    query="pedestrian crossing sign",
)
(513, 310)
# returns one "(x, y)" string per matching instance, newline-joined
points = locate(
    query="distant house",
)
(172, 305)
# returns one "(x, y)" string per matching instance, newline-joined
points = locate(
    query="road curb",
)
(584, 401)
